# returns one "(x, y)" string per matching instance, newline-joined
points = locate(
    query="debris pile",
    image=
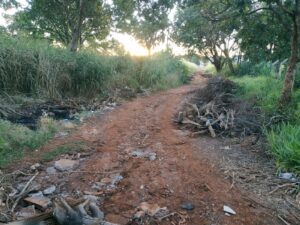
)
(37, 193)
(215, 110)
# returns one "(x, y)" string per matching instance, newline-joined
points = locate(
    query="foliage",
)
(35, 68)
(195, 28)
(56, 20)
(17, 140)
(145, 20)
(283, 138)
(264, 38)
(285, 146)
(263, 89)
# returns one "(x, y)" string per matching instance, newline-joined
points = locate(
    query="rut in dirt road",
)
(177, 172)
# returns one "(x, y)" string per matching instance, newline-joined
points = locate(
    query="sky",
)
(131, 45)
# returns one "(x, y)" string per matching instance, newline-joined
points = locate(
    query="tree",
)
(8, 3)
(263, 38)
(69, 22)
(145, 20)
(288, 15)
(197, 28)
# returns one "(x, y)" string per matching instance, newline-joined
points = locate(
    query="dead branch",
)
(282, 186)
(21, 195)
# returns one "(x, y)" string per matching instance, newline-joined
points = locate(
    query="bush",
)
(35, 68)
(284, 142)
(16, 140)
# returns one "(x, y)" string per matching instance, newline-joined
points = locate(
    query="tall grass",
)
(35, 68)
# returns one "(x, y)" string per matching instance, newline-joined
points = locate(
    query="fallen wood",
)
(23, 192)
(215, 109)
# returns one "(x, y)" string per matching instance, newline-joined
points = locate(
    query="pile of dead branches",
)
(216, 110)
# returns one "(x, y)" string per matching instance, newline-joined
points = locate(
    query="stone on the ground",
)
(35, 166)
(41, 202)
(51, 170)
(187, 206)
(228, 210)
(25, 213)
(144, 153)
(50, 190)
(34, 186)
(68, 125)
(92, 198)
(66, 164)
(36, 194)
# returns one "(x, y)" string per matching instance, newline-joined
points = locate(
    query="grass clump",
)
(284, 141)
(17, 140)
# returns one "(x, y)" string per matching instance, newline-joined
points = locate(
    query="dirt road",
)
(179, 173)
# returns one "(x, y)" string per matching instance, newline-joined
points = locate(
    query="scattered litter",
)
(35, 166)
(187, 206)
(36, 194)
(25, 213)
(152, 210)
(50, 190)
(91, 198)
(66, 164)
(61, 134)
(66, 124)
(287, 176)
(144, 153)
(40, 202)
(228, 211)
(108, 183)
(51, 170)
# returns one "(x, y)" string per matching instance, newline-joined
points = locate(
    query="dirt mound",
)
(217, 110)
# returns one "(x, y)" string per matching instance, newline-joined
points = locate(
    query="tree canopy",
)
(58, 20)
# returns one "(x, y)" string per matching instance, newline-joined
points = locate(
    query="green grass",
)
(37, 69)
(283, 138)
(284, 142)
(16, 141)
(64, 149)
(265, 90)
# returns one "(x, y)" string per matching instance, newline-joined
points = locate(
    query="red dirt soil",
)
(180, 173)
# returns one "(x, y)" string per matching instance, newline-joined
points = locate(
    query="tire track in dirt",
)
(179, 174)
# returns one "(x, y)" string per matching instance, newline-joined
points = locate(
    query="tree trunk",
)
(76, 33)
(287, 91)
(229, 61)
(217, 62)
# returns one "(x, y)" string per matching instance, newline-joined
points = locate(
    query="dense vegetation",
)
(35, 68)
(261, 83)
(55, 49)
